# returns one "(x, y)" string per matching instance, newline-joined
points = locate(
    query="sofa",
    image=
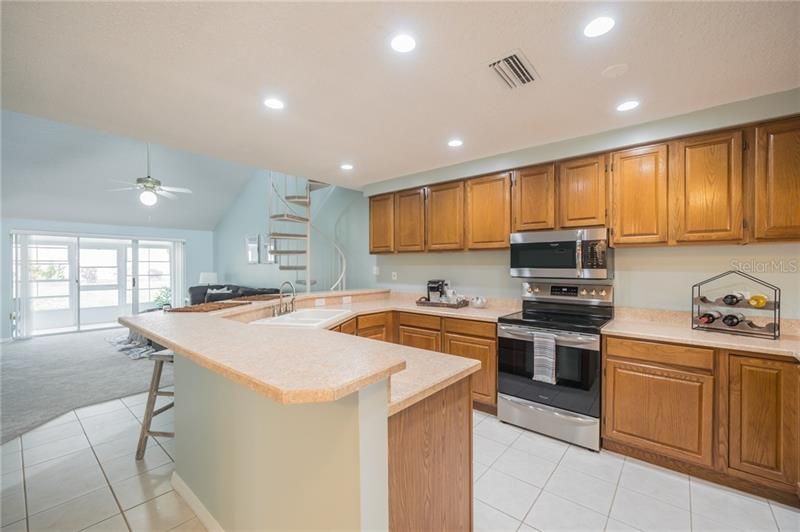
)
(208, 293)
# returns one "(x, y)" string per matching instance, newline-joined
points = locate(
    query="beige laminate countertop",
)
(312, 365)
(682, 333)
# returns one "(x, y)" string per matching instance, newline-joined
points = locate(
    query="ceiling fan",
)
(152, 188)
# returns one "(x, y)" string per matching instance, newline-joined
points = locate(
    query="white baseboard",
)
(194, 503)
(5, 340)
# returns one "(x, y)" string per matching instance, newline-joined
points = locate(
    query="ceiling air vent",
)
(514, 70)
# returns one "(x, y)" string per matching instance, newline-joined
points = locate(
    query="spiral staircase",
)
(290, 230)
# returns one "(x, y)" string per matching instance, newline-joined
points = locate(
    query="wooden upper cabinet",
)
(381, 224)
(777, 180)
(488, 211)
(764, 426)
(582, 192)
(409, 220)
(639, 195)
(445, 216)
(706, 188)
(533, 198)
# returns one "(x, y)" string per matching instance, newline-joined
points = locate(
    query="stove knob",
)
(536, 289)
(584, 292)
(603, 292)
(594, 292)
(529, 290)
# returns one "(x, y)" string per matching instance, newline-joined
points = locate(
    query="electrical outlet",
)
(394, 276)
(376, 270)
(319, 302)
(347, 300)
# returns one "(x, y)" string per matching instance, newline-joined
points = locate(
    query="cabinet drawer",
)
(419, 320)
(470, 327)
(677, 355)
(372, 320)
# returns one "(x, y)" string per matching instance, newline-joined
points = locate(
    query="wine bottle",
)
(733, 298)
(709, 317)
(732, 320)
(758, 301)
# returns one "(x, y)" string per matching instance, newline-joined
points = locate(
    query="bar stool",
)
(153, 394)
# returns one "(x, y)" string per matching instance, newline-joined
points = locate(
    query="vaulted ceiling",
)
(194, 75)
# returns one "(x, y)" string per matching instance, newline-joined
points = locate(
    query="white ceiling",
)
(55, 171)
(194, 75)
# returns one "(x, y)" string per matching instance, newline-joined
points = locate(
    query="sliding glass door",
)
(72, 283)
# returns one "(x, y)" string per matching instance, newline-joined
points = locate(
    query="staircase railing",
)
(290, 214)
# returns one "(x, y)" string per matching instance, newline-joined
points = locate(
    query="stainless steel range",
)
(549, 360)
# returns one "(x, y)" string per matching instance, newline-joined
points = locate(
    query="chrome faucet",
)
(289, 307)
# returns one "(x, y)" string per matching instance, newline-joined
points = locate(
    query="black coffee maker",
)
(437, 289)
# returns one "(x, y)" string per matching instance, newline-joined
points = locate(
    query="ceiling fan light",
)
(148, 198)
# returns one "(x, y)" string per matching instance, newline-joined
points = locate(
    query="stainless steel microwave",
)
(564, 254)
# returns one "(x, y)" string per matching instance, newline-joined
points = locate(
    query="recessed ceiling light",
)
(346, 166)
(274, 103)
(148, 197)
(599, 26)
(455, 143)
(627, 106)
(403, 43)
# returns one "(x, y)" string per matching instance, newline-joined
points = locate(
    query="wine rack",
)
(763, 322)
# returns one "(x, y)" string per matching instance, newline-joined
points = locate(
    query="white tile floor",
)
(78, 473)
(525, 481)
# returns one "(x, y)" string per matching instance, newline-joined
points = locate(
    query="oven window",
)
(544, 255)
(577, 387)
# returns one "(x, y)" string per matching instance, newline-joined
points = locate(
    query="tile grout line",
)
(24, 485)
(105, 477)
(616, 490)
(553, 472)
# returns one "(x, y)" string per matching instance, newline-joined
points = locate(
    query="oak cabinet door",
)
(445, 214)
(484, 382)
(376, 333)
(348, 327)
(639, 195)
(409, 221)
(488, 211)
(764, 398)
(582, 192)
(533, 198)
(666, 411)
(706, 187)
(421, 338)
(777, 180)
(381, 224)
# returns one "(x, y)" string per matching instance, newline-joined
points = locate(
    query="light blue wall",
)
(336, 212)
(199, 248)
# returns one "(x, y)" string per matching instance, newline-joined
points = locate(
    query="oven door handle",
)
(592, 343)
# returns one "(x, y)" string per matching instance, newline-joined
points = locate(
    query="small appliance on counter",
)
(437, 289)
(549, 365)
(441, 295)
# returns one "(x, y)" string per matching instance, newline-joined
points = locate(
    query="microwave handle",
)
(579, 256)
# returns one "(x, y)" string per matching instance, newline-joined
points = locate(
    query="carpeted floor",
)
(45, 377)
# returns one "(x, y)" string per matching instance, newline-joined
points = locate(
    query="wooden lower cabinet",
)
(728, 417)
(484, 350)
(375, 326)
(668, 411)
(764, 418)
(348, 327)
(430, 463)
(421, 338)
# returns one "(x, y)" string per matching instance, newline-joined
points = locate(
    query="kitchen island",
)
(302, 428)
